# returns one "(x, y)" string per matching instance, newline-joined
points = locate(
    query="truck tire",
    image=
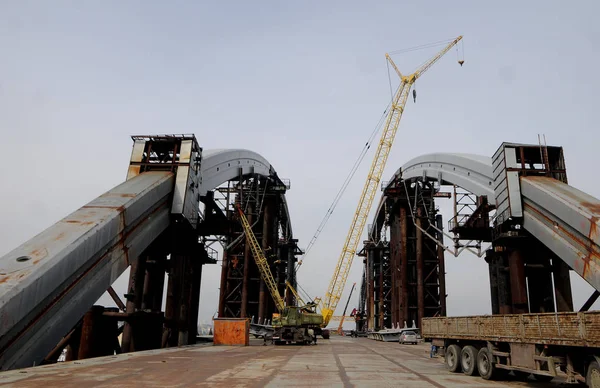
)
(452, 358)
(468, 360)
(592, 378)
(485, 365)
(325, 334)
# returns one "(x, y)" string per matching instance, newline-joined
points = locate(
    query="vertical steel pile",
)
(243, 294)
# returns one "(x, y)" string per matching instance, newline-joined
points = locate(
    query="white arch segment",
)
(221, 165)
(471, 172)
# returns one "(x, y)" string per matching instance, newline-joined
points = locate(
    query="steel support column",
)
(247, 260)
(98, 334)
(371, 289)
(395, 268)
(135, 291)
(518, 284)
(420, 274)
(441, 266)
(562, 285)
(492, 259)
(539, 284)
(264, 296)
(154, 283)
(403, 317)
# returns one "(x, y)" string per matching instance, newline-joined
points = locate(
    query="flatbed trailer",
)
(547, 345)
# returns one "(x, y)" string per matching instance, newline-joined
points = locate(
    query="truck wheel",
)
(592, 378)
(325, 335)
(468, 360)
(453, 358)
(485, 365)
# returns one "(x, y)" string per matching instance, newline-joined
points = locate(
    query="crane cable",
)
(342, 189)
(310, 298)
(421, 47)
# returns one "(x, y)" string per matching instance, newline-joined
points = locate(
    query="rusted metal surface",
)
(441, 269)
(134, 299)
(115, 298)
(562, 285)
(407, 271)
(518, 284)
(371, 290)
(51, 280)
(246, 272)
(521, 355)
(339, 362)
(420, 265)
(231, 331)
(243, 293)
(98, 334)
(395, 263)
(567, 221)
(572, 329)
(404, 264)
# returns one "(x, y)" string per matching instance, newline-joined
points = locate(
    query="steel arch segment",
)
(222, 165)
(471, 172)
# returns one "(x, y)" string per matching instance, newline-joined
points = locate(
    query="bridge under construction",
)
(177, 201)
(182, 207)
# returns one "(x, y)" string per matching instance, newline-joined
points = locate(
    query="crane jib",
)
(340, 275)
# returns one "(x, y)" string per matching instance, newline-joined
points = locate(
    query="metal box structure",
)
(180, 154)
(507, 189)
(231, 331)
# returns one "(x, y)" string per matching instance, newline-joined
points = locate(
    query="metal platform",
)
(338, 362)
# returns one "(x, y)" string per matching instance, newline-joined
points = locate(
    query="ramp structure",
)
(519, 202)
(156, 222)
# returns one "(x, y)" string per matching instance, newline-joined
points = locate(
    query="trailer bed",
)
(566, 328)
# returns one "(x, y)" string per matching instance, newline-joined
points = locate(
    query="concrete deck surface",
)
(338, 362)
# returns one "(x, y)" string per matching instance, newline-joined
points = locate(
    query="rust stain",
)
(120, 195)
(120, 209)
(84, 223)
(38, 254)
(561, 189)
(4, 279)
(594, 208)
(592, 235)
(60, 236)
(232, 331)
(75, 282)
(588, 244)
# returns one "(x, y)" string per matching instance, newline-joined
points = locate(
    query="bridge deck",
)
(338, 362)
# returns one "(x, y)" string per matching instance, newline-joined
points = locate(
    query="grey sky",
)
(302, 83)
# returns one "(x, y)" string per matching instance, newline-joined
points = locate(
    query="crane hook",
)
(414, 95)
(461, 62)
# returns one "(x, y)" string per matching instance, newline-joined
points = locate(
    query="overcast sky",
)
(302, 83)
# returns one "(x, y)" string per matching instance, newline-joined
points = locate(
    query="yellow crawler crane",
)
(340, 275)
(297, 324)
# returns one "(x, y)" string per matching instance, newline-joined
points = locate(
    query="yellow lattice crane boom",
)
(299, 300)
(261, 260)
(340, 275)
